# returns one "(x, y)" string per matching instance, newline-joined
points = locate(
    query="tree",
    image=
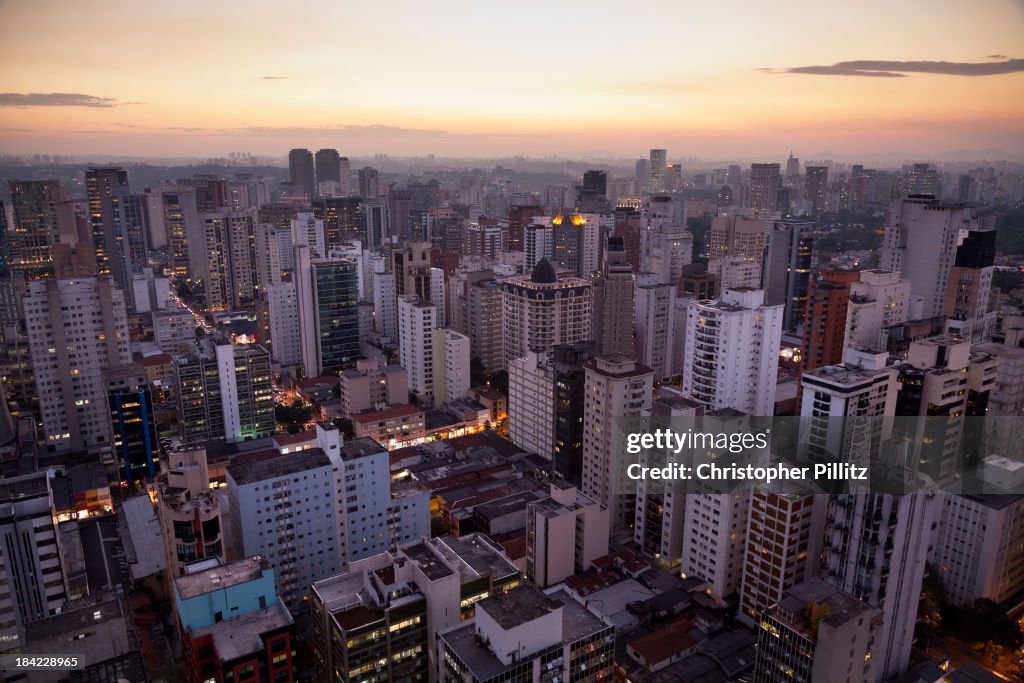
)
(982, 622)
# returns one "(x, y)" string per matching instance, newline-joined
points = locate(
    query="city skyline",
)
(566, 79)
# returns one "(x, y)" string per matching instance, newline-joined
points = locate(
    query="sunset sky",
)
(708, 79)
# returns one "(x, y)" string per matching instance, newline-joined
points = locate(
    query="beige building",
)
(542, 311)
(371, 385)
(565, 533)
(616, 386)
(189, 510)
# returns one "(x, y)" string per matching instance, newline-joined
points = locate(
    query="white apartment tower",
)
(732, 352)
(415, 349)
(450, 357)
(283, 317)
(531, 403)
(879, 299)
(655, 327)
(616, 386)
(714, 538)
(922, 235)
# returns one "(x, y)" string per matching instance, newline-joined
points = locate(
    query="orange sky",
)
(534, 78)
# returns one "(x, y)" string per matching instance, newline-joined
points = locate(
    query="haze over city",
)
(569, 78)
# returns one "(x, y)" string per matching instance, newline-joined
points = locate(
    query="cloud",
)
(372, 131)
(898, 69)
(273, 78)
(57, 99)
(996, 56)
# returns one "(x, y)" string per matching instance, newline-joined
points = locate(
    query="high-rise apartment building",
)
(782, 549)
(714, 539)
(817, 632)
(77, 331)
(224, 392)
(614, 287)
(450, 356)
(828, 298)
(542, 311)
(741, 235)
(979, 549)
(369, 183)
(309, 230)
(616, 387)
(476, 310)
(565, 533)
(879, 299)
(969, 286)
(283, 324)
(731, 352)
(876, 549)
(230, 275)
(301, 172)
(32, 581)
(655, 328)
(309, 512)
(531, 403)
(415, 347)
(922, 238)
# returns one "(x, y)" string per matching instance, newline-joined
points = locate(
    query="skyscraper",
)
(787, 269)
(614, 301)
(43, 216)
(301, 171)
(328, 166)
(118, 225)
(764, 187)
(655, 327)
(816, 189)
(658, 163)
(330, 328)
(369, 183)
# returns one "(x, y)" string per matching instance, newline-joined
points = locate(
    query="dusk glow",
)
(712, 80)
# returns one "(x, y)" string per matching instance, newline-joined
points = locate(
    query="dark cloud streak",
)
(897, 69)
(57, 99)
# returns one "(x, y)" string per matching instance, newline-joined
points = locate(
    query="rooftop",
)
(241, 636)
(841, 607)
(282, 466)
(389, 413)
(220, 577)
(473, 555)
(518, 606)
(577, 623)
(360, 448)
